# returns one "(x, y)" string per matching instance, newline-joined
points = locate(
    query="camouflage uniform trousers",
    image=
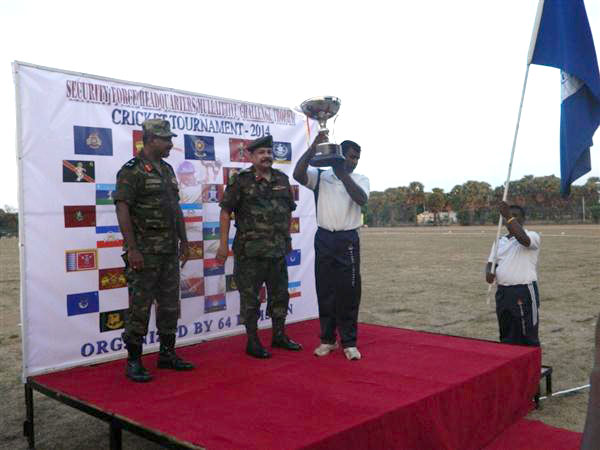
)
(250, 274)
(158, 280)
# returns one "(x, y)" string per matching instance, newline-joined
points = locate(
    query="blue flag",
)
(562, 38)
(93, 141)
(83, 303)
(199, 147)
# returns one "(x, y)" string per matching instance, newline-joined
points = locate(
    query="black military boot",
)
(135, 371)
(255, 348)
(280, 339)
(167, 358)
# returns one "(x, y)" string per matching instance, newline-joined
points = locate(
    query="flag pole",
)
(505, 195)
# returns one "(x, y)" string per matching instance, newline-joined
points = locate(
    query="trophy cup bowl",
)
(322, 109)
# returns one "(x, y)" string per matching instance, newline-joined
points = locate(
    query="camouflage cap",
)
(266, 141)
(158, 127)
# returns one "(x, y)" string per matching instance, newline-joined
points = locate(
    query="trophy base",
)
(332, 159)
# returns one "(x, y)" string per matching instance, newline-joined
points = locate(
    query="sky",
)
(430, 89)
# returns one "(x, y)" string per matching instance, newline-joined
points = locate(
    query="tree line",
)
(9, 222)
(474, 202)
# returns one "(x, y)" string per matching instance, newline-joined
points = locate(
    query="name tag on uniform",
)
(279, 188)
(151, 182)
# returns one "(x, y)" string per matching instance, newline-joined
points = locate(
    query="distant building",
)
(444, 217)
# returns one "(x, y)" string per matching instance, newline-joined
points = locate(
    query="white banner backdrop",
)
(74, 133)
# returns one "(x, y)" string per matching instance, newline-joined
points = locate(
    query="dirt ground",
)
(420, 278)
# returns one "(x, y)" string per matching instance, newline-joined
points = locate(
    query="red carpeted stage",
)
(411, 390)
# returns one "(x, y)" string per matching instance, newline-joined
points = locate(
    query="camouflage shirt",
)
(153, 199)
(262, 211)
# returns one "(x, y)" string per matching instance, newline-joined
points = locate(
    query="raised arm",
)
(302, 165)
(513, 226)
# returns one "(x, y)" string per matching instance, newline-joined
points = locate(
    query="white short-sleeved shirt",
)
(517, 264)
(336, 211)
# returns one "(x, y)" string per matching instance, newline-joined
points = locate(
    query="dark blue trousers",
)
(337, 275)
(517, 309)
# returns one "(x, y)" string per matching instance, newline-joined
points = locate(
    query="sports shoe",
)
(325, 349)
(352, 353)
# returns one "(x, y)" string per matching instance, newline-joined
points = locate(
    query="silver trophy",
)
(322, 109)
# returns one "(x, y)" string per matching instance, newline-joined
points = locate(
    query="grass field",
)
(420, 278)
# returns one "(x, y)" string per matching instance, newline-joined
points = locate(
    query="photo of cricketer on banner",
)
(98, 132)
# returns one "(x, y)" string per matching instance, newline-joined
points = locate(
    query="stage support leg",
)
(115, 436)
(28, 431)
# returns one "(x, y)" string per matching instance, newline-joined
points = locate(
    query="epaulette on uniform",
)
(131, 163)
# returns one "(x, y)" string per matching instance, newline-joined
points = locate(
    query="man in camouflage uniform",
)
(262, 200)
(147, 203)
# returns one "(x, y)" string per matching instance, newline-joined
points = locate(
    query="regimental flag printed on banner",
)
(137, 136)
(213, 303)
(294, 289)
(112, 320)
(212, 193)
(282, 152)
(230, 285)
(109, 236)
(295, 225)
(212, 267)
(293, 258)
(113, 278)
(93, 141)
(196, 249)
(192, 212)
(104, 193)
(75, 171)
(80, 216)
(83, 303)
(77, 260)
(199, 147)
(237, 150)
(562, 39)
(211, 231)
(191, 286)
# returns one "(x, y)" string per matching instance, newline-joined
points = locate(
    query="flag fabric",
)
(562, 38)
(237, 150)
(112, 278)
(80, 216)
(93, 141)
(137, 137)
(294, 289)
(213, 303)
(196, 249)
(112, 320)
(109, 236)
(192, 212)
(83, 303)
(104, 193)
(78, 171)
(191, 287)
(199, 147)
(77, 260)
(293, 258)
(282, 152)
(213, 267)
(211, 231)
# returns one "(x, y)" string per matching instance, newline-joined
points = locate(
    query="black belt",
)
(336, 231)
